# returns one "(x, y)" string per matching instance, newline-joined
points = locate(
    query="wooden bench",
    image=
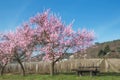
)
(93, 70)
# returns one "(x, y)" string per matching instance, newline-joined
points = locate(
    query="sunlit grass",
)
(59, 77)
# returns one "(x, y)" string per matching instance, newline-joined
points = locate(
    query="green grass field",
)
(60, 77)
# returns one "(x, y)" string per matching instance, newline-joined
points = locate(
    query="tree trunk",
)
(22, 67)
(2, 69)
(52, 68)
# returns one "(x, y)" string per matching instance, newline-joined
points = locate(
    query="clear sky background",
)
(102, 16)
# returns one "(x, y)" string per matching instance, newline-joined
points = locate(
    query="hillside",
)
(114, 52)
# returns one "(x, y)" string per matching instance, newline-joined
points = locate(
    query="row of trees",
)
(46, 33)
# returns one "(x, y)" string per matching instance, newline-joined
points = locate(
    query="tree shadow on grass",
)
(70, 73)
(109, 74)
(99, 74)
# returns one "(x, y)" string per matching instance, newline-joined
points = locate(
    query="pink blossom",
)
(57, 38)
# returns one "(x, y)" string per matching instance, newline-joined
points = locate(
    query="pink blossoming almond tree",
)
(56, 38)
(5, 55)
(22, 43)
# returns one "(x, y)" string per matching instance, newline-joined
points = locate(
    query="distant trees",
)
(101, 53)
(97, 43)
(104, 52)
(118, 49)
(107, 49)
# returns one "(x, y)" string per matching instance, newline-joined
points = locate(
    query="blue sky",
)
(102, 16)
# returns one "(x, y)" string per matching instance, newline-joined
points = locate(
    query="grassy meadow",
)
(60, 77)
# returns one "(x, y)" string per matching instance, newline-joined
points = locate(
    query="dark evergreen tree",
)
(107, 49)
(101, 53)
(104, 52)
